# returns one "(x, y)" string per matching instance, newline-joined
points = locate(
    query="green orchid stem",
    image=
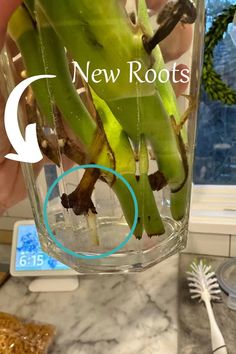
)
(151, 218)
(165, 89)
(30, 5)
(178, 202)
(179, 199)
(127, 204)
(157, 128)
(24, 33)
(152, 221)
(63, 91)
(148, 217)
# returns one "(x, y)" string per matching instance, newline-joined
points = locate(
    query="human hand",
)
(12, 187)
(7, 7)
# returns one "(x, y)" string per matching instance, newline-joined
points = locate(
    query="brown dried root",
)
(157, 181)
(191, 108)
(80, 200)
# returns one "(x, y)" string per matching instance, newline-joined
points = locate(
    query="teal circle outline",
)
(67, 250)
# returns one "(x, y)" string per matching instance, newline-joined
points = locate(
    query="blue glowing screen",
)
(29, 255)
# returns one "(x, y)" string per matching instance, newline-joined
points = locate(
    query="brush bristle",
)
(202, 279)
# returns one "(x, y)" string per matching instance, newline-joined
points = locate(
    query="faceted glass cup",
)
(120, 96)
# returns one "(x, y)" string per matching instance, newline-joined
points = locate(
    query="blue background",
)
(215, 158)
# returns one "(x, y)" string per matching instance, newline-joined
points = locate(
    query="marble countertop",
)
(115, 314)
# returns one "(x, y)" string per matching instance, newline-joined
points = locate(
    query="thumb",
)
(7, 7)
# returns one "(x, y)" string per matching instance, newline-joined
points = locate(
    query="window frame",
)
(213, 209)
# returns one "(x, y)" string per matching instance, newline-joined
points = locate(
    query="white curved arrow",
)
(26, 150)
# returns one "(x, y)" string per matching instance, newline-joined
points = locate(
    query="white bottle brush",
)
(203, 284)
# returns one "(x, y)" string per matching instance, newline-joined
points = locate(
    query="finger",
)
(7, 7)
(179, 85)
(5, 146)
(155, 5)
(12, 183)
(177, 43)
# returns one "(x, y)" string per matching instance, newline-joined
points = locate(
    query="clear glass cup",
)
(128, 118)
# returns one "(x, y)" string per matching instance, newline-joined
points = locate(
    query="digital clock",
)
(28, 259)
